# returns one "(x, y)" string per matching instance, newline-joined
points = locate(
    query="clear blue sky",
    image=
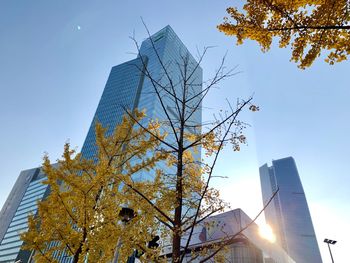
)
(55, 57)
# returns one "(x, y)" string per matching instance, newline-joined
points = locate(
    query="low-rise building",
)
(246, 245)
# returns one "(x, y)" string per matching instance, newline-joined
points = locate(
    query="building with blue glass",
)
(132, 85)
(129, 86)
(21, 202)
(288, 213)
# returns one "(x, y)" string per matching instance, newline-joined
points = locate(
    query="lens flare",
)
(266, 232)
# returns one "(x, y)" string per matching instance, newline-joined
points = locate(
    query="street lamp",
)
(332, 242)
(125, 215)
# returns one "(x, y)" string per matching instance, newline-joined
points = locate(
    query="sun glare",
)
(266, 232)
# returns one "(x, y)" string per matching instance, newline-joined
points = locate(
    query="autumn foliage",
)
(79, 218)
(308, 26)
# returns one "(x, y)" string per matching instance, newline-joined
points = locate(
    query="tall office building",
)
(21, 202)
(288, 214)
(127, 87)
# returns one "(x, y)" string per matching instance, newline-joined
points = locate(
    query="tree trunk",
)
(80, 248)
(178, 210)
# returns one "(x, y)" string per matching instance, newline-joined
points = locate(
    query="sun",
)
(266, 232)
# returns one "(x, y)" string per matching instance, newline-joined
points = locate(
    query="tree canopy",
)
(79, 218)
(308, 26)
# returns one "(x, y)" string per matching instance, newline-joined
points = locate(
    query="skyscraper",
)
(288, 214)
(21, 202)
(127, 87)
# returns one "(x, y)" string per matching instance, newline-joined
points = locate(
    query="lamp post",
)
(125, 215)
(332, 242)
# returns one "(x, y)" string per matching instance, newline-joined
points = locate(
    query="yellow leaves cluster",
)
(210, 143)
(79, 218)
(132, 168)
(309, 26)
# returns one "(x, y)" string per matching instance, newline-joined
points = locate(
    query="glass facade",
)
(288, 214)
(175, 57)
(121, 91)
(10, 245)
(128, 87)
